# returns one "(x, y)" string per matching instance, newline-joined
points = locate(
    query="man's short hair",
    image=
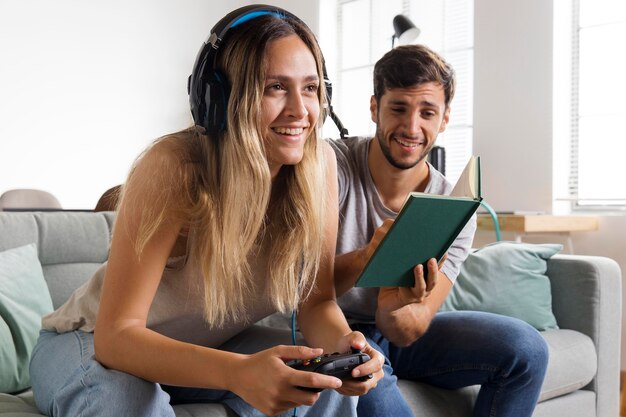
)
(411, 65)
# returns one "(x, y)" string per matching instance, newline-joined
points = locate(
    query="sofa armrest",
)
(587, 297)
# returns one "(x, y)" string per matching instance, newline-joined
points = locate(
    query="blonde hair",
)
(222, 188)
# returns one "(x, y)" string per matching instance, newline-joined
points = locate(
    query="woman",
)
(217, 227)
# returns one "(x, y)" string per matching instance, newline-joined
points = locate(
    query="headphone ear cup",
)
(216, 97)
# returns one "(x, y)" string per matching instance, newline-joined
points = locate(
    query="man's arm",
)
(403, 320)
(403, 314)
(404, 323)
(347, 269)
(349, 265)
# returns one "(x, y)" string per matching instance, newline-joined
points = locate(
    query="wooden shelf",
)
(539, 223)
(526, 224)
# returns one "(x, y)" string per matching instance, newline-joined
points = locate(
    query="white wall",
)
(513, 123)
(513, 102)
(86, 85)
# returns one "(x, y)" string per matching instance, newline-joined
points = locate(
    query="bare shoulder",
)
(166, 153)
(162, 175)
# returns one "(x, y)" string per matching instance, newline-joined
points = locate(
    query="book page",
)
(468, 184)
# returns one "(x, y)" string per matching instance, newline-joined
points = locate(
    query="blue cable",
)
(494, 217)
(293, 340)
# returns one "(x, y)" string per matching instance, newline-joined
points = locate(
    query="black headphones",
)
(209, 89)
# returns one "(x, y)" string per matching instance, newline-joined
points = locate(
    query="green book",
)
(425, 228)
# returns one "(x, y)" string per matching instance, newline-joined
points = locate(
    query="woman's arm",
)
(122, 340)
(321, 320)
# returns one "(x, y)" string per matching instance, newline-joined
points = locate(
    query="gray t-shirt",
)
(361, 212)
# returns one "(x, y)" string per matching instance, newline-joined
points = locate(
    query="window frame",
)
(578, 203)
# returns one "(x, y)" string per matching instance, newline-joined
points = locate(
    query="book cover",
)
(425, 228)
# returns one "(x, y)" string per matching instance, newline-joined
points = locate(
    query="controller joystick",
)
(339, 365)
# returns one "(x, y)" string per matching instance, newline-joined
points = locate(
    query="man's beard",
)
(384, 146)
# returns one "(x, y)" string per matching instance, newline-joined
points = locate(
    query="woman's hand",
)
(362, 383)
(264, 380)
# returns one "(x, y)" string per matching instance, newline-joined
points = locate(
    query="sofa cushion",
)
(71, 245)
(18, 229)
(22, 406)
(572, 363)
(428, 401)
(72, 237)
(507, 278)
(63, 279)
(24, 299)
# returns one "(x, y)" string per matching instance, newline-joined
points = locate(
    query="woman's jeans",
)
(68, 382)
(505, 356)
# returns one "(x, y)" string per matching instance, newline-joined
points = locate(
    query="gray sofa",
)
(583, 374)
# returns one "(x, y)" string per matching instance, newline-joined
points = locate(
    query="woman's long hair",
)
(221, 187)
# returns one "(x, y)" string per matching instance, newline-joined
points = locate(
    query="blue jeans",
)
(67, 382)
(505, 356)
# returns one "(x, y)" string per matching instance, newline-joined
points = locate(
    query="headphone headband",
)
(209, 89)
(242, 15)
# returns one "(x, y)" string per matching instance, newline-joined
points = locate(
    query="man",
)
(413, 88)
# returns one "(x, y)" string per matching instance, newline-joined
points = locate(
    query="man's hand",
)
(403, 313)
(349, 265)
(393, 298)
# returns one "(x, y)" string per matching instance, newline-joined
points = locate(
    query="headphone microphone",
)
(208, 87)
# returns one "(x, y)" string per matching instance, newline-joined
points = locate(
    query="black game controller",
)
(339, 365)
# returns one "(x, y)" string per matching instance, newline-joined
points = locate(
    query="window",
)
(597, 177)
(362, 34)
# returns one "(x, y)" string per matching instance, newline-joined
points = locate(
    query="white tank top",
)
(177, 310)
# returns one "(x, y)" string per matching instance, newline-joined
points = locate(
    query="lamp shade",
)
(404, 30)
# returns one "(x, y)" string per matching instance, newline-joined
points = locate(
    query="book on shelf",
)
(425, 228)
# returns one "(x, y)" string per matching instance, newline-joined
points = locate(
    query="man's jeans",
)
(506, 356)
(68, 382)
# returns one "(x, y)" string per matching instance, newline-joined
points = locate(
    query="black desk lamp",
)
(404, 30)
